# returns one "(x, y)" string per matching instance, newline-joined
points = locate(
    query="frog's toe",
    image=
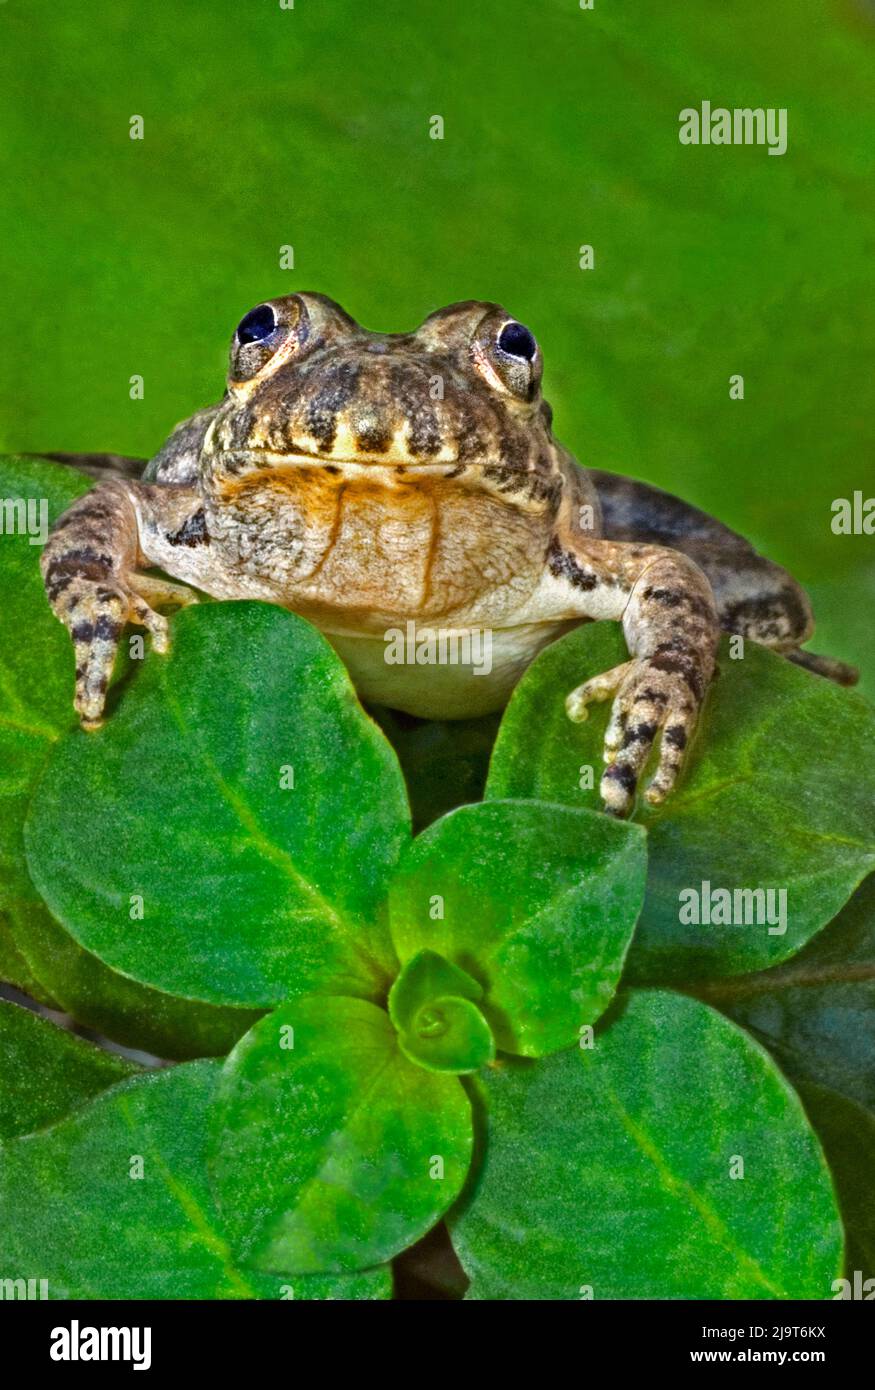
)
(675, 737)
(160, 593)
(620, 777)
(826, 666)
(599, 688)
(156, 623)
(616, 730)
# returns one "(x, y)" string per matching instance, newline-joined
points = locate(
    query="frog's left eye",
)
(257, 325)
(517, 341)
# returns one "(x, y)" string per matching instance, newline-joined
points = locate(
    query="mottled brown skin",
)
(367, 479)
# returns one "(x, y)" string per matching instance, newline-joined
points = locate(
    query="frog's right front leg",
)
(90, 566)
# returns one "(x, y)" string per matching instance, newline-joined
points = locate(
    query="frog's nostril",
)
(257, 325)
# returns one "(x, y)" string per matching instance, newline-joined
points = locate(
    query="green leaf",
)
(847, 1132)
(241, 795)
(610, 1170)
(777, 794)
(331, 1151)
(112, 1004)
(433, 1005)
(537, 902)
(816, 1013)
(14, 969)
(36, 683)
(74, 1211)
(46, 1072)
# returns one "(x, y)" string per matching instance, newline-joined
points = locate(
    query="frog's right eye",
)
(257, 325)
(271, 333)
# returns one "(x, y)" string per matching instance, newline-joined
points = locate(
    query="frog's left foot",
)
(647, 700)
(824, 666)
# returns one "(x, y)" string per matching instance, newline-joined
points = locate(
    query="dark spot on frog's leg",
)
(81, 556)
(56, 585)
(772, 617)
(83, 562)
(625, 776)
(655, 697)
(680, 599)
(106, 629)
(679, 665)
(670, 598)
(564, 565)
(676, 735)
(193, 533)
(639, 733)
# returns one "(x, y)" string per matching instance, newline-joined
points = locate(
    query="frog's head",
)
(307, 383)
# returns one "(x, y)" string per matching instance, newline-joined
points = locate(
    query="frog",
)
(368, 481)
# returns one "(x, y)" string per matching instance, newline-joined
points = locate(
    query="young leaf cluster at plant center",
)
(445, 1027)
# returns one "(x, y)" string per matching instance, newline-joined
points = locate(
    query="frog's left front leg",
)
(672, 629)
(91, 567)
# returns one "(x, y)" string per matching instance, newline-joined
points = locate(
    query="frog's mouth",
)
(240, 462)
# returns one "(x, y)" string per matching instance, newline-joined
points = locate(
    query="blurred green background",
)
(309, 127)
